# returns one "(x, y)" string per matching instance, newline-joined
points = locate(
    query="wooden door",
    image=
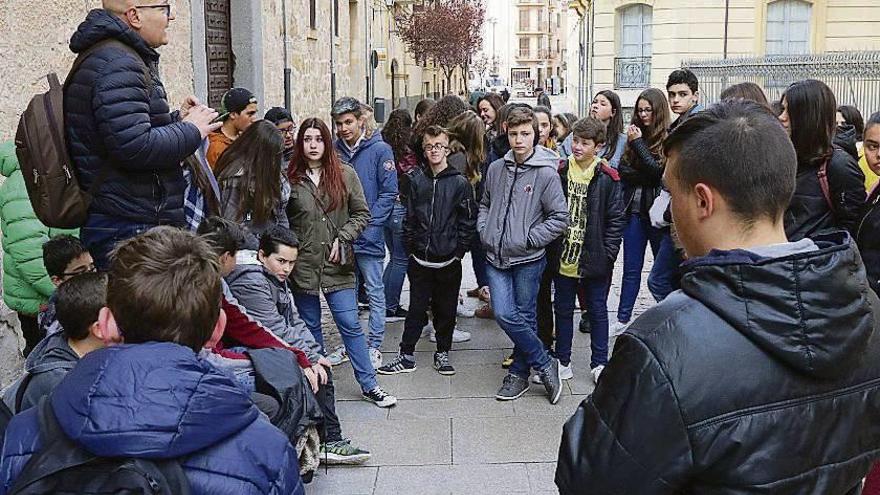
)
(218, 46)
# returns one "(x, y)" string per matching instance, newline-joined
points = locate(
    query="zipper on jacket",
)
(507, 210)
(431, 220)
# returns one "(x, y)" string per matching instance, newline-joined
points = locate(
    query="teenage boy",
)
(65, 257)
(153, 398)
(263, 290)
(238, 110)
(78, 302)
(589, 245)
(373, 160)
(438, 231)
(286, 125)
(522, 210)
(744, 366)
(684, 100)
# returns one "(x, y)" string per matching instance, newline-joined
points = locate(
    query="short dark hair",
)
(422, 107)
(683, 76)
(853, 117)
(873, 120)
(278, 115)
(740, 148)
(78, 302)
(589, 128)
(59, 251)
(275, 237)
(223, 236)
(746, 91)
(164, 286)
(436, 131)
(522, 115)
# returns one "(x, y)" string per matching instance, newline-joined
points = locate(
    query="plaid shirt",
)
(193, 200)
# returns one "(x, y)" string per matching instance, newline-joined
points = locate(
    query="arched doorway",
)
(395, 92)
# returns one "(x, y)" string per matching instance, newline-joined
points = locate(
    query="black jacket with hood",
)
(762, 375)
(641, 169)
(441, 215)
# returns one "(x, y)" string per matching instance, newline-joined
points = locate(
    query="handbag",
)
(346, 250)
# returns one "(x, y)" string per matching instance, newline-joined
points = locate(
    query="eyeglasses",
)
(645, 110)
(290, 131)
(165, 6)
(80, 271)
(435, 147)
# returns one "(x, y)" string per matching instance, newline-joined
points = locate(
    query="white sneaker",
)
(596, 372)
(376, 358)
(458, 336)
(338, 356)
(463, 311)
(565, 373)
(617, 327)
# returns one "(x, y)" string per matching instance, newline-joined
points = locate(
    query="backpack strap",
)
(822, 174)
(53, 79)
(22, 388)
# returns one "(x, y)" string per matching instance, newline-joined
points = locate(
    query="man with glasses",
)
(286, 124)
(65, 257)
(120, 131)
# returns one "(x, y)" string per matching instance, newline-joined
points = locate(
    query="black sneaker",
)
(584, 326)
(552, 380)
(441, 363)
(400, 364)
(399, 313)
(380, 397)
(512, 388)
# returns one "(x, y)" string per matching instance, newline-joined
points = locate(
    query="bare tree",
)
(445, 31)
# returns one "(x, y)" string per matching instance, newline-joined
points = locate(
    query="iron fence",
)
(632, 72)
(853, 76)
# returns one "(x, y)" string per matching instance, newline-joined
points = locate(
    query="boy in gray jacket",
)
(522, 210)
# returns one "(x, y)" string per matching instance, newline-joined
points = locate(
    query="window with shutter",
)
(788, 27)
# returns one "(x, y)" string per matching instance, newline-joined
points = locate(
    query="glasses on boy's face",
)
(165, 6)
(79, 271)
(290, 131)
(434, 147)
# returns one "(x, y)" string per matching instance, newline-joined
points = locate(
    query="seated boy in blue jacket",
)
(148, 395)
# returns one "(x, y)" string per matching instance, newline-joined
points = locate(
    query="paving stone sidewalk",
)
(448, 435)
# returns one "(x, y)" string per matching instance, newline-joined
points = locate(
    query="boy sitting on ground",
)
(152, 398)
(78, 302)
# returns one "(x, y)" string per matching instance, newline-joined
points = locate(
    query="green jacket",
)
(26, 285)
(313, 273)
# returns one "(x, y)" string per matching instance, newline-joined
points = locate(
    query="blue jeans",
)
(514, 300)
(101, 233)
(343, 306)
(596, 293)
(636, 236)
(478, 259)
(371, 268)
(395, 271)
(662, 279)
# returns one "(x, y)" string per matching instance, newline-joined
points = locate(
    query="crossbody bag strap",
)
(323, 208)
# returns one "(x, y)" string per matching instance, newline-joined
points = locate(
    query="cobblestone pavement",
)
(448, 435)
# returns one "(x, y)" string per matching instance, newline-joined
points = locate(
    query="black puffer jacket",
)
(760, 376)
(644, 170)
(809, 212)
(868, 239)
(441, 215)
(605, 222)
(111, 117)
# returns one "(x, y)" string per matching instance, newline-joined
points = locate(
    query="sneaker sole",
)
(444, 373)
(555, 397)
(383, 404)
(513, 397)
(344, 460)
(339, 362)
(395, 372)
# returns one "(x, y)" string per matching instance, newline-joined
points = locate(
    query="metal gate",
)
(218, 46)
(853, 76)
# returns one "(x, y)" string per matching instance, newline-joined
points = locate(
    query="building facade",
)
(302, 53)
(631, 45)
(540, 45)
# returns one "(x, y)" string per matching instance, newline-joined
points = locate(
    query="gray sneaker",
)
(551, 377)
(512, 388)
(338, 356)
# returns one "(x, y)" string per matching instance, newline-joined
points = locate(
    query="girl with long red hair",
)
(327, 212)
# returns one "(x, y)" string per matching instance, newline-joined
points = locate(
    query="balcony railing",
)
(542, 54)
(632, 72)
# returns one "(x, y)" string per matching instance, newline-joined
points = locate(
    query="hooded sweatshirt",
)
(45, 367)
(762, 375)
(522, 210)
(159, 401)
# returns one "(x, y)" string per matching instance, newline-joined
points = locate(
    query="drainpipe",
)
(287, 70)
(726, 24)
(333, 21)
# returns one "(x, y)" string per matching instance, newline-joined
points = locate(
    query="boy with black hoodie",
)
(438, 231)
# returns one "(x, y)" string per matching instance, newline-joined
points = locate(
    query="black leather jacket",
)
(762, 375)
(643, 170)
(441, 215)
